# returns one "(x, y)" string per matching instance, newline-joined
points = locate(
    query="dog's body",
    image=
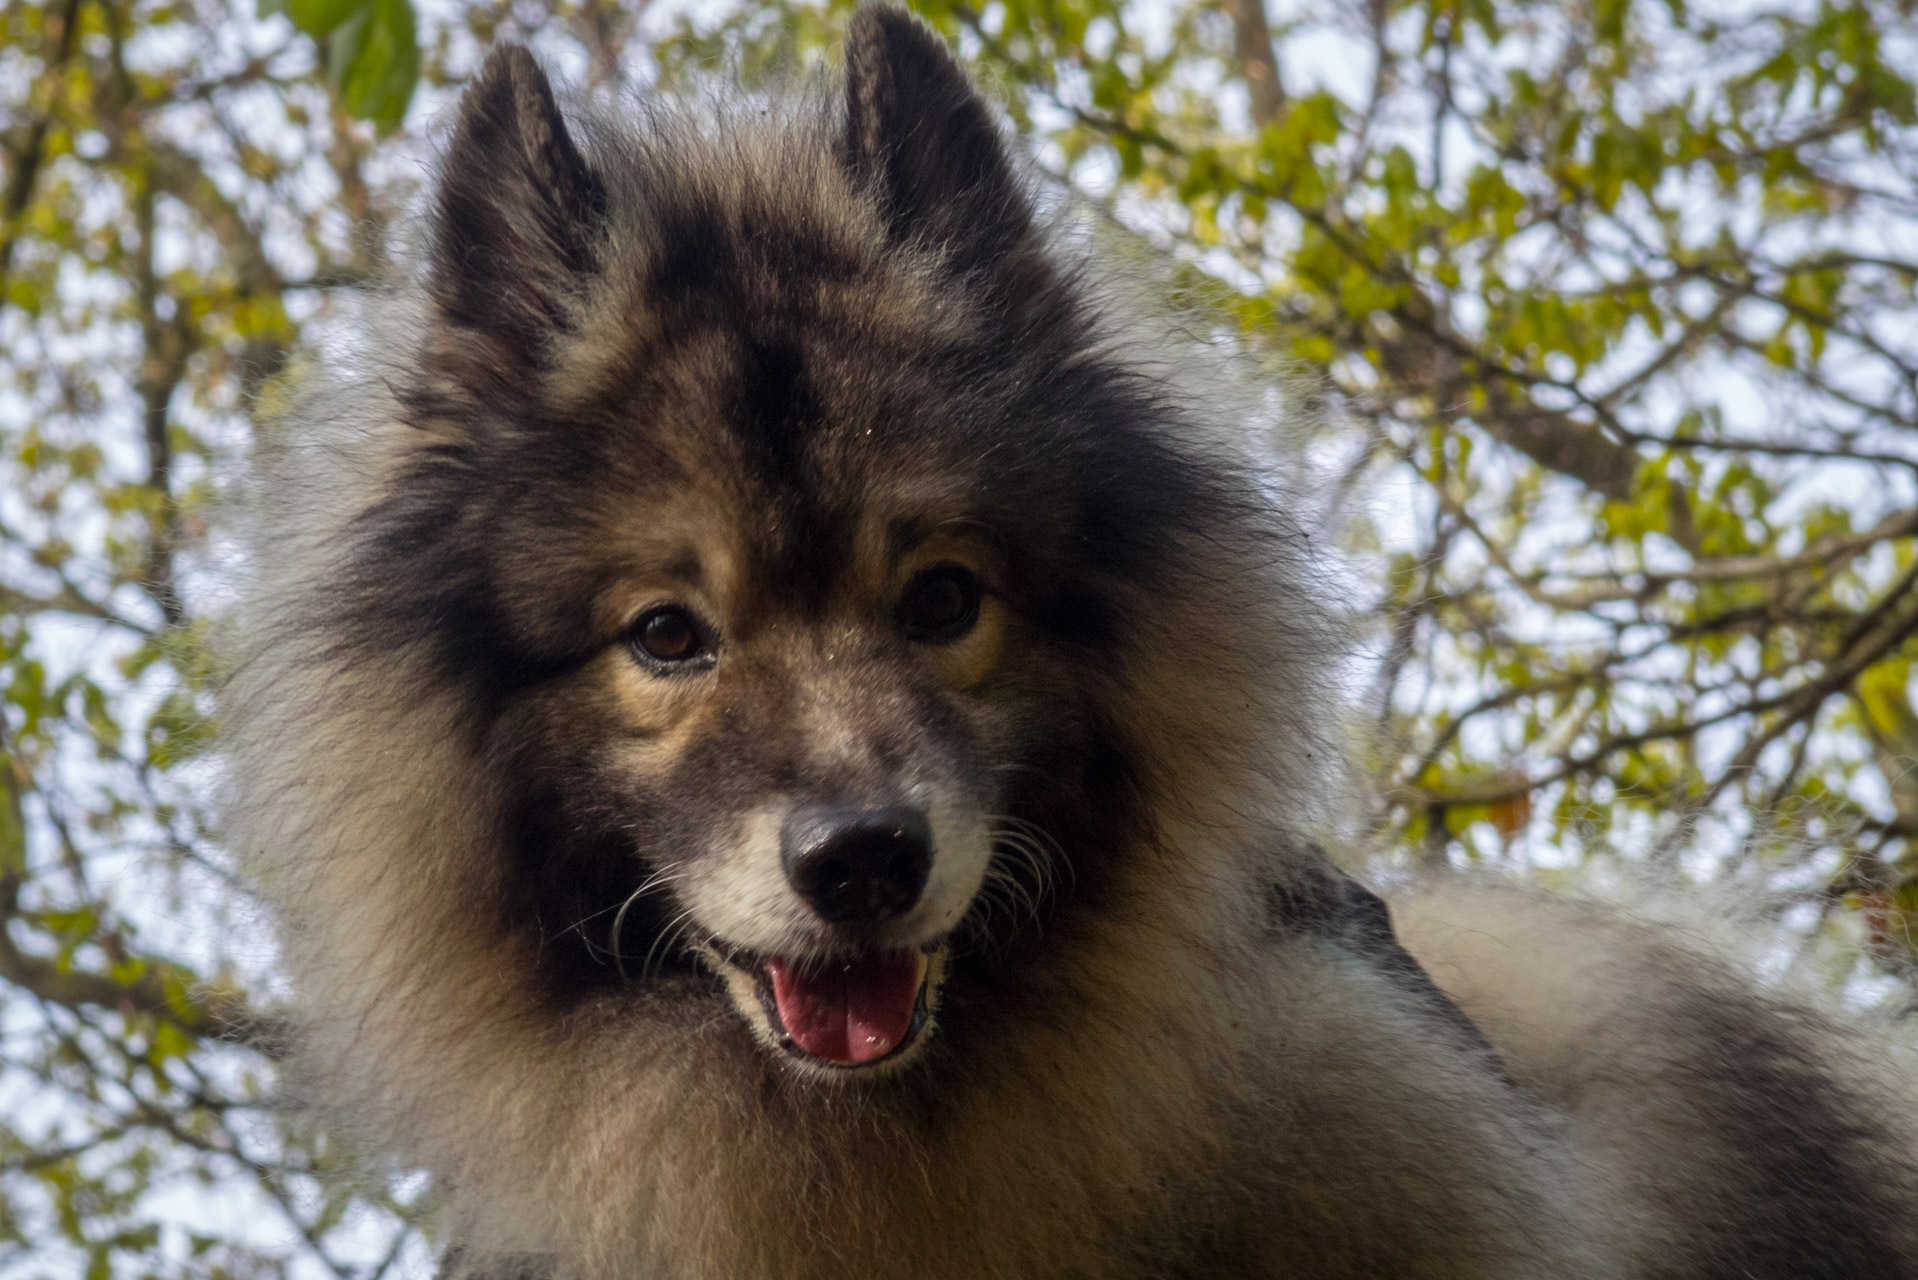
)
(786, 746)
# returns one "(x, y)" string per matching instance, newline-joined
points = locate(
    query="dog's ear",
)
(922, 142)
(520, 213)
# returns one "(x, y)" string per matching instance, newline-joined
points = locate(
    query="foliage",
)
(371, 49)
(1606, 303)
(177, 194)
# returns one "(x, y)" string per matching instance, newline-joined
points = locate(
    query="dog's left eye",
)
(668, 637)
(940, 604)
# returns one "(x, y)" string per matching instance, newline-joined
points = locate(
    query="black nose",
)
(858, 866)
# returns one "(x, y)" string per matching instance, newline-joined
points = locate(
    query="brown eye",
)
(940, 604)
(668, 636)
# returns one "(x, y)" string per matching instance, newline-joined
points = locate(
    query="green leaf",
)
(372, 51)
(374, 56)
(177, 731)
(315, 17)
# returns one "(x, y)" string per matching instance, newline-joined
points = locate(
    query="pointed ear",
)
(519, 215)
(923, 143)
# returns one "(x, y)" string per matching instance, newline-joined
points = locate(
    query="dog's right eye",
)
(940, 604)
(668, 637)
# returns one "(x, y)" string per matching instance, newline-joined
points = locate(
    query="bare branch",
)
(26, 161)
(1258, 64)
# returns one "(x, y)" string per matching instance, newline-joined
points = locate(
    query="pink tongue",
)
(853, 1010)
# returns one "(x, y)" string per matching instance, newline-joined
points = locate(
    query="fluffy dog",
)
(787, 743)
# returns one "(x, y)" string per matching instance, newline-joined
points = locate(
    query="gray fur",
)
(769, 354)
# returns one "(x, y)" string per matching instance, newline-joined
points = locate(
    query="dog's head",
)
(791, 531)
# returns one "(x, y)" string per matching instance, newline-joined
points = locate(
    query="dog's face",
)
(782, 753)
(786, 529)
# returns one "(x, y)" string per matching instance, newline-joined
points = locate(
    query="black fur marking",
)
(1817, 1187)
(777, 412)
(1324, 902)
(1079, 786)
(426, 572)
(697, 265)
(777, 417)
(1077, 617)
(568, 876)
(715, 265)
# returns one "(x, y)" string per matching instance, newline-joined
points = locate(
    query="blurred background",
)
(1600, 314)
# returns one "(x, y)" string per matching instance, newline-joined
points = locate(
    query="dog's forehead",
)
(778, 262)
(788, 426)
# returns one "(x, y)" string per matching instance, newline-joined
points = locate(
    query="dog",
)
(790, 734)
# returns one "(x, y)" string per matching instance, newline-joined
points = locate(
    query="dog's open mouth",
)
(845, 1012)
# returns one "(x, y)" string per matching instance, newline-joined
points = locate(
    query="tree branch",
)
(33, 149)
(1258, 63)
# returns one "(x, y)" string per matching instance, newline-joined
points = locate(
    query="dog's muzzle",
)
(857, 869)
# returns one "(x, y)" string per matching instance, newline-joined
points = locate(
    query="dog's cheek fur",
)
(585, 826)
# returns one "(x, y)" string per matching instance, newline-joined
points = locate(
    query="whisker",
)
(659, 880)
(1047, 845)
(1044, 855)
(579, 925)
(667, 938)
(1021, 878)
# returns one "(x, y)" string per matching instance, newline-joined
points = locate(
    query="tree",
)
(1609, 299)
